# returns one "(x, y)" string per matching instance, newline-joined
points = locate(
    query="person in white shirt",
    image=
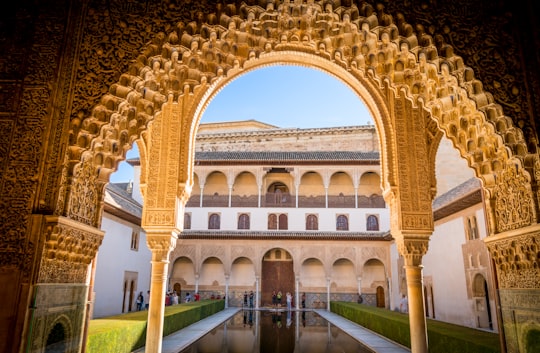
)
(404, 304)
(289, 300)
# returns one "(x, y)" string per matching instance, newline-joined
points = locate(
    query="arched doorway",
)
(277, 275)
(381, 302)
(56, 340)
(177, 287)
(182, 276)
(374, 283)
(242, 280)
(482, 306)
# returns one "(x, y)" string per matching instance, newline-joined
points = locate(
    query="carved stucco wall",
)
(66, 72)
(197, 57)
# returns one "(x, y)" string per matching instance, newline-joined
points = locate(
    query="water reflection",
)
(276, 332)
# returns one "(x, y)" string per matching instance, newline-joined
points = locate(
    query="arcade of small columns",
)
(301, 181)
(364, 265)
(413, 106)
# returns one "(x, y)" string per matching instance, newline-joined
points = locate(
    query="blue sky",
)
(285, 96)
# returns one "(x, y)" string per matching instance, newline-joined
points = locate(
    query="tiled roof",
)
(459, 198)
(288, 156)
(278, 131)
(120, 203)
(283, 235)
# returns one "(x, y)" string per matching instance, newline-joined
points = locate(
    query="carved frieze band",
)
(515, 254)
(68, 249)
(158, 218)
(86, 192)
(514, 202)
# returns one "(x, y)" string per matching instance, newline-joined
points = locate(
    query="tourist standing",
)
(289, 301)
(274, 298)
(404, 304)
(245, 298)
(251, 299)
(140, 301)
(279, 295)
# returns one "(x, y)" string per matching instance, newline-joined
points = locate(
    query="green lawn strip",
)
(442, 337)
(127, 332)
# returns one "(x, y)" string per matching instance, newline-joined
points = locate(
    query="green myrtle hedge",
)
(127, 332)
(442, 337)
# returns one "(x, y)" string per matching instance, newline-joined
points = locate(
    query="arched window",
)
(272, 221)
(472, 228)
(243, 221)
(283, 222)
(372, 223)
(312, 223)
(342, 223)
(278, 221)
(214, 221)
(187, 220)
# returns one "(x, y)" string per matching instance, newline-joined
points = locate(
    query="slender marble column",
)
(202, 197)
(328, 294)
(257, 292)
(297, 291)
(417, 317)
(160, 245)
(413, 249)
(226, 291)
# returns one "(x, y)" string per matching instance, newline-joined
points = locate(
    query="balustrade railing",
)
(287, 200)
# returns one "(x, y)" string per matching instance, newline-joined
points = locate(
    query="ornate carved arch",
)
(373, 55)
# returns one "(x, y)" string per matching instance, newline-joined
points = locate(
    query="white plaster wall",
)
(451, 169)
(296, 217)
(444, 262)
(394, 277)
(136, 194)
(114, 258)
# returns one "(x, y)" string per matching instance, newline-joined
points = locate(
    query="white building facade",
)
(122, 268)
(301, 211)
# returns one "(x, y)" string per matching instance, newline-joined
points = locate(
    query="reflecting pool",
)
(272, 331)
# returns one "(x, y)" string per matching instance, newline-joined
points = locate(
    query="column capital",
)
(161, 244)
(413, 249)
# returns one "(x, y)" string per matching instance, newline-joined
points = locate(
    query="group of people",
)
(172, 298)
(250, 297)
(278, 296)
(141, 302)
